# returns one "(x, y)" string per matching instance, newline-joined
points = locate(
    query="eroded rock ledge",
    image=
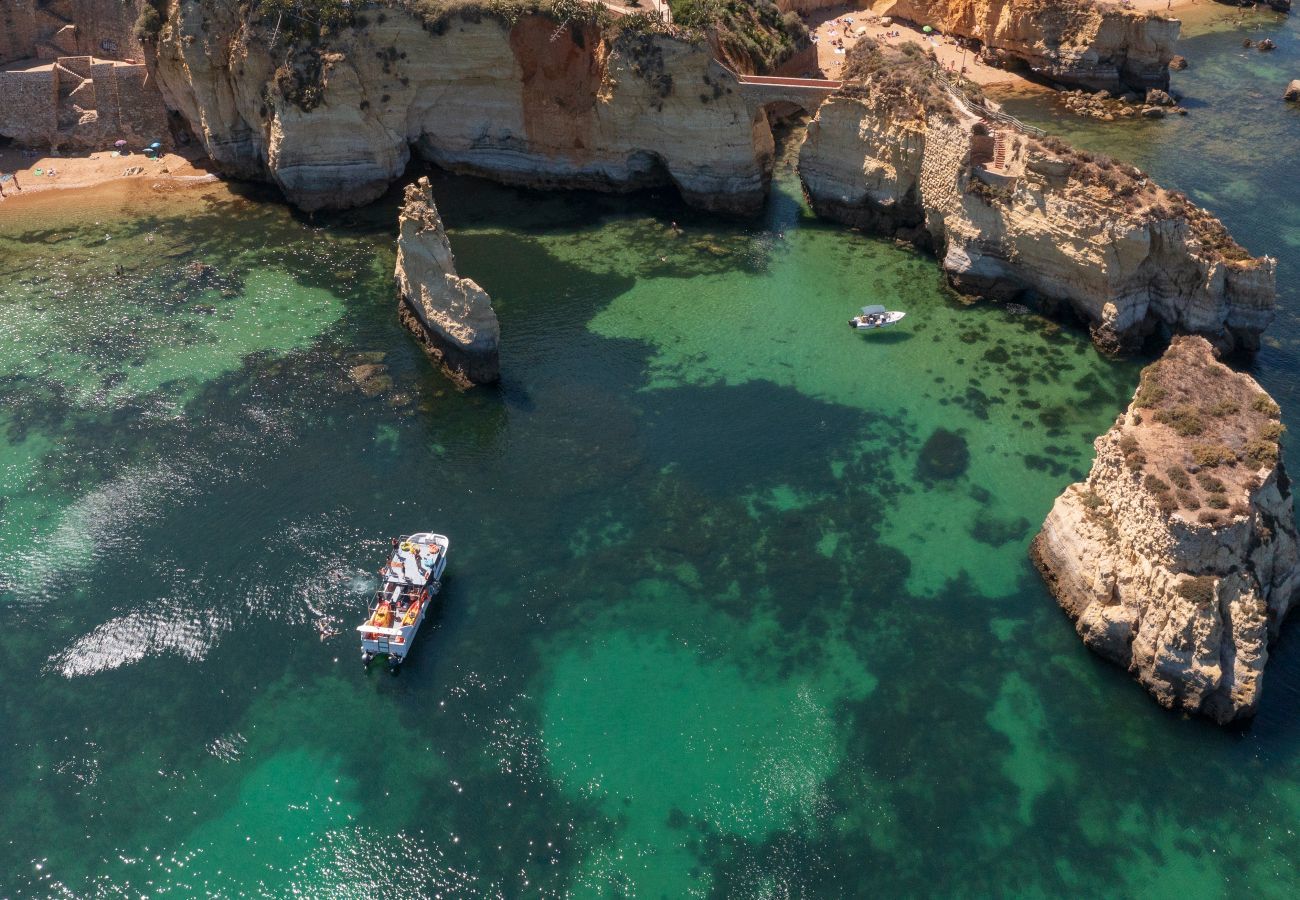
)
(1177, 557)
(452, 316)
(1015, 216)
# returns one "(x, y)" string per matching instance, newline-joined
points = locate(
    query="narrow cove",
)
(739, 601)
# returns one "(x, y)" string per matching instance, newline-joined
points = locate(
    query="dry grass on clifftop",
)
(902, 76)
(1198, 433)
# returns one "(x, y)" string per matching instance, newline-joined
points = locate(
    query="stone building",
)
(72, 76)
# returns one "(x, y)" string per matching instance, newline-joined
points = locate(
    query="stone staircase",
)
(999, 150)
(77, 103)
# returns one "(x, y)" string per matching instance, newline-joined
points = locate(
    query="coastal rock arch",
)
(778, 102)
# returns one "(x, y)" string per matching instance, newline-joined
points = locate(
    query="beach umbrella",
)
(927, 29)
(119, 143)
(155, 146)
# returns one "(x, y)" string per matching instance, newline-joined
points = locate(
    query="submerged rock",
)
(372, 378)
(452, 316)
(1178, 63)
(1177, 557)
(945, 455)
(1293, 91)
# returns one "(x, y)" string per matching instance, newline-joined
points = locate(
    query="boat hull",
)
(862, 323)
(403, 585)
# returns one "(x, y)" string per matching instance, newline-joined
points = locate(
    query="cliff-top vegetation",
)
(752, 34)
(1197, 432)
(1124, 187)
(906, 79)
(902, 76)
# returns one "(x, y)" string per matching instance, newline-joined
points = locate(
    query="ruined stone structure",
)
(80, 103)
(49, 29)
(72, 76)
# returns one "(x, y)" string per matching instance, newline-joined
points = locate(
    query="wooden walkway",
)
(811, 84)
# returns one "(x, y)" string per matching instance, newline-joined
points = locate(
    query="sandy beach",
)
(840, 28)
(37, 171)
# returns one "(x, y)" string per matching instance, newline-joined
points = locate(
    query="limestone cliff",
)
(1014, 216)
(1177, 557)
(331, 119)
(452, 316)
(1078, 42)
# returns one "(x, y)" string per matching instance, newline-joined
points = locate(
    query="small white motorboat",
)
(412, 577)
(875, 317)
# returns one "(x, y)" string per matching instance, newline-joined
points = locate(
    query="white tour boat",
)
(412, 577)
(875, 317)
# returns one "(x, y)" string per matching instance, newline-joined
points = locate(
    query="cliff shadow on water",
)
(739, 599)
(690, 516)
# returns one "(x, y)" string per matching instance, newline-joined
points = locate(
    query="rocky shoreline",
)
(526, 100)
(589, 104)
(1177, 557)
(1017, 216)
(1079, 43)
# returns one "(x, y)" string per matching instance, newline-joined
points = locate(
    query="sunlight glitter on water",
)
(737, 602)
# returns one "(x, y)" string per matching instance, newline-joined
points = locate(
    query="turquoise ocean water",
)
(738, 602)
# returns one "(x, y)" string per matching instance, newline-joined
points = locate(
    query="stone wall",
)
(49, 29)
(122, 99)
(27, 114)
(141, 115)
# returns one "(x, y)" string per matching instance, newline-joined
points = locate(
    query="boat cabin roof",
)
(412, 562)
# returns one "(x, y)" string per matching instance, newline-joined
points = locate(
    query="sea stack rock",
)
(1292, 91)
(1177, 557)
(452, 316)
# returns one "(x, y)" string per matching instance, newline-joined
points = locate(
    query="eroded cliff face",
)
(1016, 217)
(1077, 42)
(533, 103)
(451, 316)
(1177, 557)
